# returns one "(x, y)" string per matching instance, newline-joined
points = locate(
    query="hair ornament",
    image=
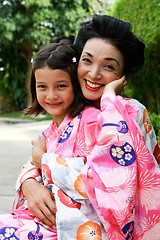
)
(74, 60)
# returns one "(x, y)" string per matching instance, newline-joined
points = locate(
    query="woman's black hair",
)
(119, 34)
(56, 56)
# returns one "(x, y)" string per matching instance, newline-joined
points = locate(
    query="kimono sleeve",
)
(27, 171)
(144, 122)
(118, 169)
(65, 173)
(110, 164)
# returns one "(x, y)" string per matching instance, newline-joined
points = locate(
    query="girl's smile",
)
(54, 92)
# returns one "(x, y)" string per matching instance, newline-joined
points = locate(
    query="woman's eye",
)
(108, 66)
(87, 60)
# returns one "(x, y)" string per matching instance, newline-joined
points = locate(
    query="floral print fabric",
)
(110, 175)
(122, 180)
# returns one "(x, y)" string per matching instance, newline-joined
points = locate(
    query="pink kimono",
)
(114, 176)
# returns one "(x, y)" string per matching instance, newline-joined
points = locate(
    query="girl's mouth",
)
(53, 105)
(92, 86)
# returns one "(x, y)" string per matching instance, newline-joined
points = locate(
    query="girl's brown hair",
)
(56, 56)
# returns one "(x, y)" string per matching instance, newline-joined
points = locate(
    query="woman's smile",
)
(93, 86)
(100, 63)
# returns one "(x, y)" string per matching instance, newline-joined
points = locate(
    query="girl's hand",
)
(116, 86)
(38, 149)
(40, 201)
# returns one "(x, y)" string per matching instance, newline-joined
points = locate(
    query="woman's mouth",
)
(92, 86)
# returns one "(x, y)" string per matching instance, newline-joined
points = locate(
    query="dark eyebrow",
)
(88, 54)
(110, 59)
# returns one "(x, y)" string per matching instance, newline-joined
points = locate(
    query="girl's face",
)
(100, 63)
(54, 92)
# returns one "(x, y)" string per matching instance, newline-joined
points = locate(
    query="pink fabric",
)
(23, 226)
(117, 168)
(122, 183)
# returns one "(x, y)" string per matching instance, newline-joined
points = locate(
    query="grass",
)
(40, 117)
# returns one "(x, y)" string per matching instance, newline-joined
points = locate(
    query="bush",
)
(145, 18)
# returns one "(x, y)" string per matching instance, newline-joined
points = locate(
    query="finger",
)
(51, 205)
(125, 82)
(42, 136)
(42, 216)
(48, 216)
(123, 77)
(51, 216)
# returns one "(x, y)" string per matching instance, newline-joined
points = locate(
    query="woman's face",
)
(100, 63)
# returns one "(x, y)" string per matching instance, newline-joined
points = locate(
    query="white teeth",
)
(93, 85)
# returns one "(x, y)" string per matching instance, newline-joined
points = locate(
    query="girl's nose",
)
(52, 95)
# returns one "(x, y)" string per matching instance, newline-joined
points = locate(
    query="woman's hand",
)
(116, 86)
(40, 201)
(38, 149)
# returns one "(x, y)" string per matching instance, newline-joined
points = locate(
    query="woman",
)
(107, 48)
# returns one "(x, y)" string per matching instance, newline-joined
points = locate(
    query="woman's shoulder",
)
(137, 103)
(89, 114)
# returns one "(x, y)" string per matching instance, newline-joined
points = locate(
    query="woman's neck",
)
(96, 103)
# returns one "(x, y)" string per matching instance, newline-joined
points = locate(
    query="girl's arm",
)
(40, 200)
(28, 171)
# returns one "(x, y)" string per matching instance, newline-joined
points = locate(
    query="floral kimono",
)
(122, 179)
(63, 177)
(112, 177)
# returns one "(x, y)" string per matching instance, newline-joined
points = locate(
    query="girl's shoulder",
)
(49, 130)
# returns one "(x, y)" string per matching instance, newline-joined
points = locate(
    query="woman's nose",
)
(95, 73)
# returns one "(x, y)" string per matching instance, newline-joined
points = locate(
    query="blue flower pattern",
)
(123, 155)
(66, 134)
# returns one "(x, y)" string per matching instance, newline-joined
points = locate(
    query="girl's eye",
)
(41, 86)
(62, 86)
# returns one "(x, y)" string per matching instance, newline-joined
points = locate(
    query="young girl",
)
(54, 88)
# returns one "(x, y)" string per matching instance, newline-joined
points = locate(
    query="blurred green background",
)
(25, 25)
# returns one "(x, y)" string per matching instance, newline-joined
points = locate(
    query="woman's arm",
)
(119, 167)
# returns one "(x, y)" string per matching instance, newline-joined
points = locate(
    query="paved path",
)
(15, 149)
